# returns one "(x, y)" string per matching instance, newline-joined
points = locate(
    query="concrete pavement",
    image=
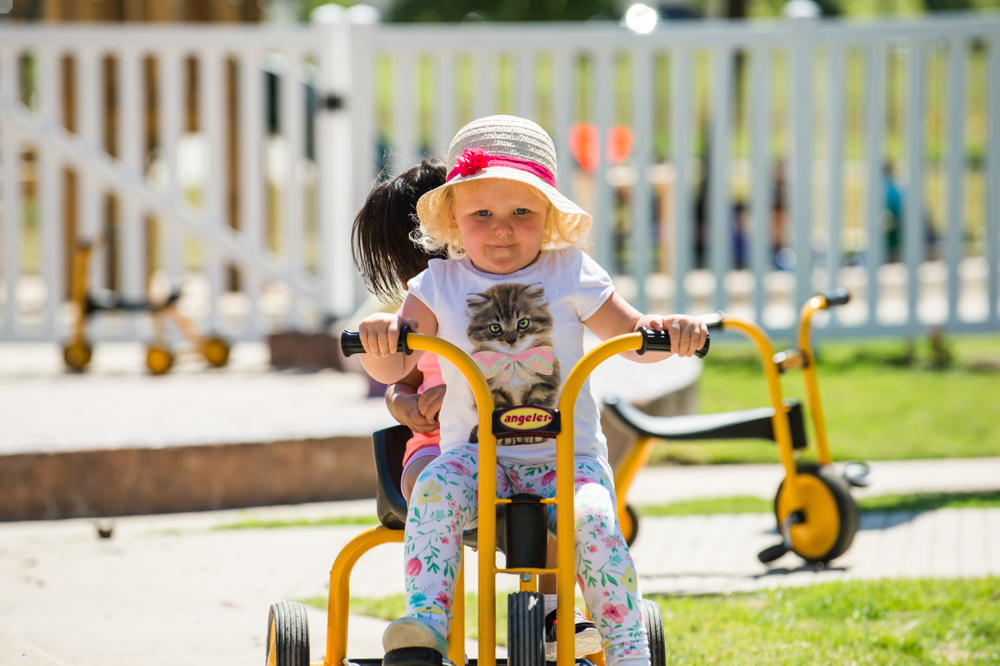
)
(174, 589)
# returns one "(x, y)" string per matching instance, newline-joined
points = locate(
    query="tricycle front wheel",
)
(526, 629)
(287, 635)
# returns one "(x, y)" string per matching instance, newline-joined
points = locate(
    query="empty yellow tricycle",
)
(518, 528)
(816, 515)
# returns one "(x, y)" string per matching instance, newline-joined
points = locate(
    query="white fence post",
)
(50, 191)
(682, 117)
(336, 159)
(131, 224)
(954, 236)
(11, 220)
(761, 200)
(800, 171)
(913, 212)
(874, 154)
(993, 180)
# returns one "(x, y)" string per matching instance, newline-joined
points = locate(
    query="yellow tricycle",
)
(816, 514)
(518, 528)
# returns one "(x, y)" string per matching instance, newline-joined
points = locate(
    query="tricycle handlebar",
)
(659, 341)
(838, 296)
(350, 342)
(654, 341)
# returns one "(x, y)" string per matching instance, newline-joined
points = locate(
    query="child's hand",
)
(687, 333)
(430, 402)
(379, 333)
(406, 410)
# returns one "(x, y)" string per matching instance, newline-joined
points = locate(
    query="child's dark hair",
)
(383, 251)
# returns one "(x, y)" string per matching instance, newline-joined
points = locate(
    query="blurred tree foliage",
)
(424, 11)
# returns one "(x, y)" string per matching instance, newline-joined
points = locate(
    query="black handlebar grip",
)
(350, 342)
(659, 341)
(838, 296)
(714, 321)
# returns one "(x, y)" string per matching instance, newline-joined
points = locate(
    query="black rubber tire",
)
(847, 511)
(525, 629)
(654, 632)
(634, 532)
(288, 624)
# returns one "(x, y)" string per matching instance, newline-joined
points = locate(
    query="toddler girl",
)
(388, 258)
(515, 295)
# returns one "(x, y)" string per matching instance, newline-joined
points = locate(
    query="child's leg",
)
(443, 502)
(604, 568)
(414, 467)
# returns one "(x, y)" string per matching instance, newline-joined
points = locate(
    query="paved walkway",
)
(172, 589)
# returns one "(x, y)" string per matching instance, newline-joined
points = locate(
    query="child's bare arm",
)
(617, 317)
(404, 403)
(379, 335)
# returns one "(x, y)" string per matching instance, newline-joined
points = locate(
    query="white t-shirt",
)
(525, 332)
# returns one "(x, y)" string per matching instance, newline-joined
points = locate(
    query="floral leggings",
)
(445, 501)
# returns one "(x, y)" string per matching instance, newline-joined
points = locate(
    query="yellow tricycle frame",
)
(774, 365)
(336, 649)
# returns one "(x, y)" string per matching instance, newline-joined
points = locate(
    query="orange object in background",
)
(584, 145)
(620, 142)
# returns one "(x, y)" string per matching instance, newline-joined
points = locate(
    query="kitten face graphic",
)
(511, 333)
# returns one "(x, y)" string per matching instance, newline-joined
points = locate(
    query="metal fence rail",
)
(260, 144)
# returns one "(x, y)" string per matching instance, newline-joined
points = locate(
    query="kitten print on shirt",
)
(510, 329)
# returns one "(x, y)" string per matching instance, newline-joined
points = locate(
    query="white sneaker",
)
(410, 632)
(588, 639)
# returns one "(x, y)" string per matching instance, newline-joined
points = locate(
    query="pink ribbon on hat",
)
(537, 360)
(474, 160)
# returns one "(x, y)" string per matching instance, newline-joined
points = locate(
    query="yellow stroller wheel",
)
(77, 355)
(216, 351)
(159, 359)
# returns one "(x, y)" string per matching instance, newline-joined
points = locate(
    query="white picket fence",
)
(286, 226)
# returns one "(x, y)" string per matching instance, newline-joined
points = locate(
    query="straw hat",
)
(511, 148)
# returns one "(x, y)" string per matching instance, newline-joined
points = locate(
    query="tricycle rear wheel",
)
(831, 514)
(526, 629)
(287, 635)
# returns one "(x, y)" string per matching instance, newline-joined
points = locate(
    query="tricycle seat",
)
(390, 446)
(743, 424)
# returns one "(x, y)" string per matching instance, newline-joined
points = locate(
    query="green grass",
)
(749, 504)
(251, 523)
(882, 400)
(899, 622)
